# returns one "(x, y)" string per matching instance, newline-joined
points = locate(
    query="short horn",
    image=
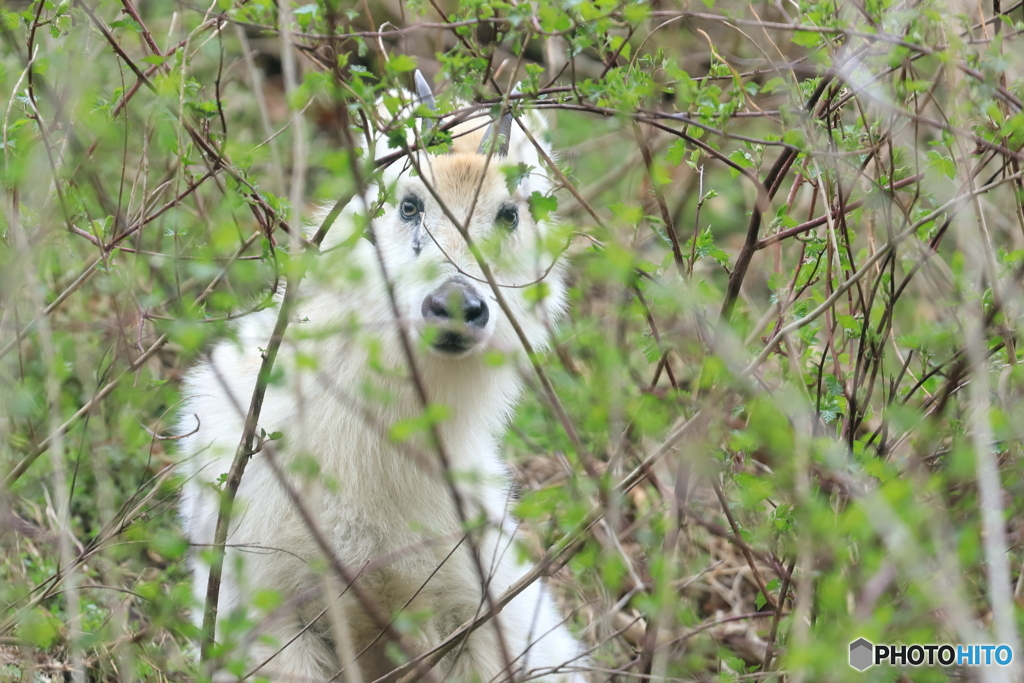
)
(426, 98)
(504, 132)
(423, 92)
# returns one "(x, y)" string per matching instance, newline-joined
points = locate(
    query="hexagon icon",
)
(861, 654)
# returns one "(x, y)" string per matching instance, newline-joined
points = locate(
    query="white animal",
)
(384, 504)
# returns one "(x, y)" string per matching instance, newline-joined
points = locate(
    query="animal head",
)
(450, 218)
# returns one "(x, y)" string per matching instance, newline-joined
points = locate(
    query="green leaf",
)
(742, 159)
(266, 600)
(635, 12)
(628, 213)
(541, 206)
(676, 153)
(127, 23)
(515, 175)
(551, 19)
(941, 163)
(169, 544)
(39, 627)
(537, 292)
(651, 350)
(806, 38)
(706, 247)
(401, 63)
(777, 83)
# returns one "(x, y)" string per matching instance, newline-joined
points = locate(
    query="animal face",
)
(447, 213)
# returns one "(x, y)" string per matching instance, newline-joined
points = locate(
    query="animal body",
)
(385, 503)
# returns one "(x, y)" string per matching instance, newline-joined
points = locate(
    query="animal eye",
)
(508, 217)
(409, 208)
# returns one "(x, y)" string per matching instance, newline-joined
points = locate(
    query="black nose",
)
(456, 301)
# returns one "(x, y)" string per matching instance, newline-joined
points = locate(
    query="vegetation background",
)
(787, 406)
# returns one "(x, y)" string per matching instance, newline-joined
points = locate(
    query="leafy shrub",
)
(784, 413)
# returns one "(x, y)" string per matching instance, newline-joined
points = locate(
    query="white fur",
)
(382, 505)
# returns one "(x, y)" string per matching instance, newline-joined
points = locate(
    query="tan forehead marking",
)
(456, 177)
